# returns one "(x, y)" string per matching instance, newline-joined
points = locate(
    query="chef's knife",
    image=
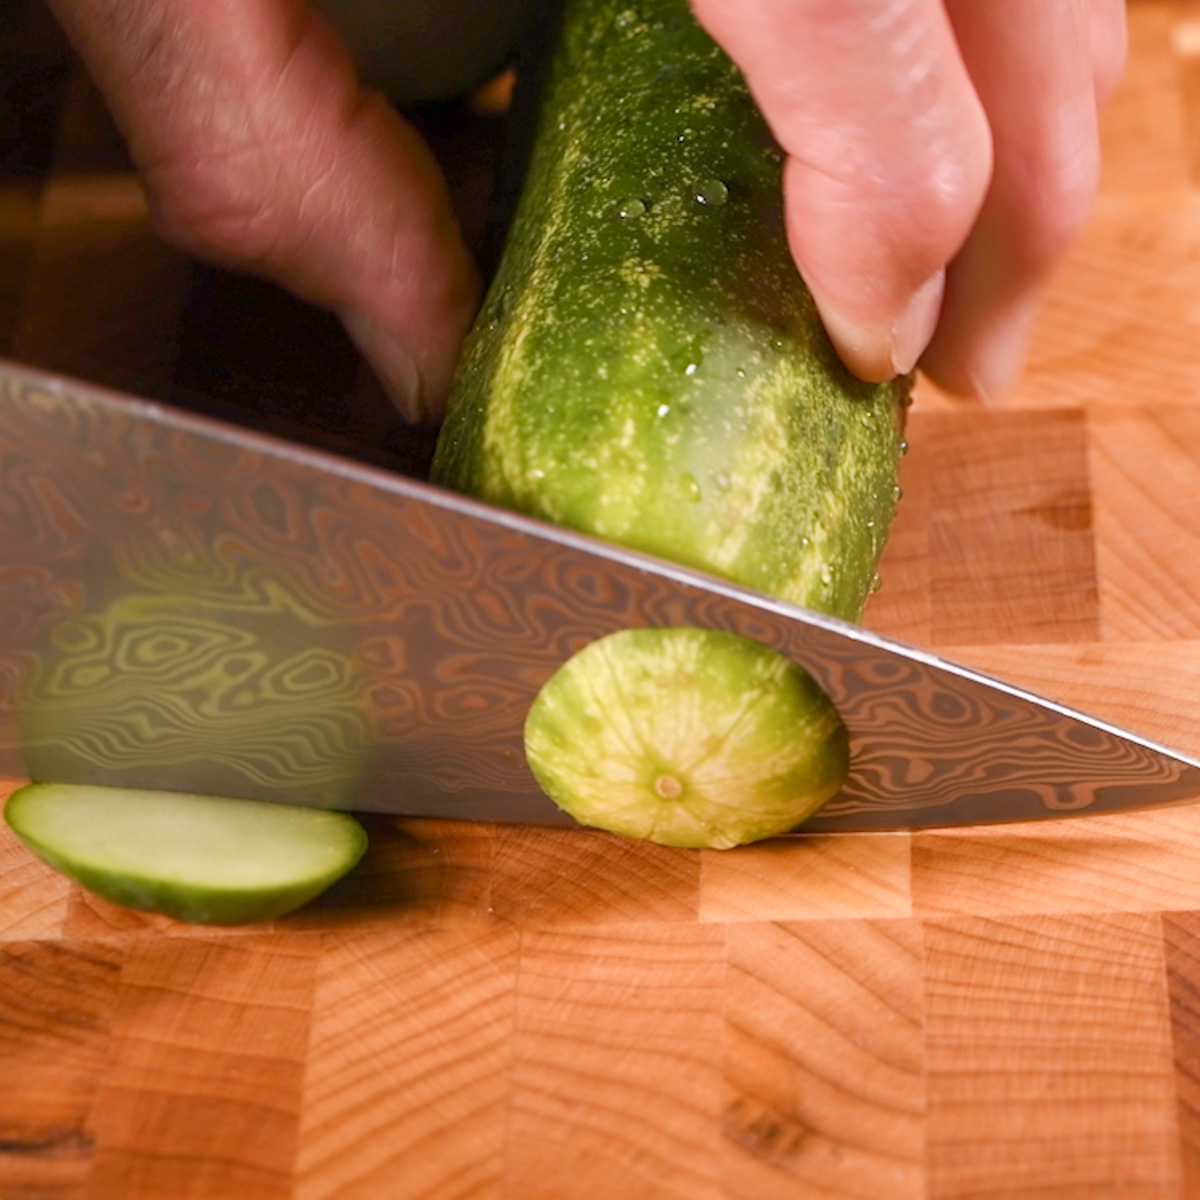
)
(192, 606)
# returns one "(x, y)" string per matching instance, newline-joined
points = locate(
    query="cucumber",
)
(649, 368)
(687, 737)
(203, 859)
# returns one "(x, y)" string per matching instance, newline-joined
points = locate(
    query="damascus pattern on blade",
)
(190, 606)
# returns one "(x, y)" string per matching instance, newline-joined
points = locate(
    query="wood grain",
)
(1121, 309)
(1049, 1059)
(1009, 1013)
(1146, 469)
(1146, 133)
(545, 877)
(617, 1064)
(840, 876)
(406, 1091)
(202, 1093)
(1010, 527)
(57, 1002)
(824, 1060)
(1182, 948)
(1142, 863)
(1146, 687)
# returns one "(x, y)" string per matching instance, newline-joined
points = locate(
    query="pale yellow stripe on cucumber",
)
(618, 458)
(612, 701)
(720, 741)
(822, 558)
(611, 764)
(504, 463)
(721, 770)
(754, 476)
(710, 741)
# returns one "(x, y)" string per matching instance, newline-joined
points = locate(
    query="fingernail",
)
(914, 326)
(995, 365)
(392, 363)
(882, 351)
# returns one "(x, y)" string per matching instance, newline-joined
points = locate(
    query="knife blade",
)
(193, 606)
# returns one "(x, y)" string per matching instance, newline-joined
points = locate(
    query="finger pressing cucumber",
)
(688, 737)
(210, 860)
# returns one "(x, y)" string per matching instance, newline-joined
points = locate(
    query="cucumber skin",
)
(768, 750)
(192, 904)
(661, 379)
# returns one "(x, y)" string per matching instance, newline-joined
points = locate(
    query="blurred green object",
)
(420, 52)
(242, 695)
(210, 860)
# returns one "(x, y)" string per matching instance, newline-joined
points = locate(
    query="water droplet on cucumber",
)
(632, 206)
(876, 583)
(691, 489)
(687, 361)
(711, 193)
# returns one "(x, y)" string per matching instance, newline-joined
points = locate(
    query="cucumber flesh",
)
(687, 737)
(210, 860)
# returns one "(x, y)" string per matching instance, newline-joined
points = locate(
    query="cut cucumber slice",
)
(688, 737)
(211, 860)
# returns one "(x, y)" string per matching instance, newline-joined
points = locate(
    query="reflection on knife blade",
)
(188, 606)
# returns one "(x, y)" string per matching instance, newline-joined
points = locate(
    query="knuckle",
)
(1061, 185)
(943, 188)
(202, 206)
(916, 209)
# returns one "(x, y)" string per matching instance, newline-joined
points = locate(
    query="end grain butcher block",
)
(545, 1015)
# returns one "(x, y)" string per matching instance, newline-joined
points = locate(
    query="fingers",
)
(942, 154)
(259, 150)
(889, 157)
(1033, 67)
(1110, 45)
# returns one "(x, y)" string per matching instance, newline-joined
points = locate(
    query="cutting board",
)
(522, 1014)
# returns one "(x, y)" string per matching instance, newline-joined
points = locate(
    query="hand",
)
(259, 150)
(942, 153)
(941, 156)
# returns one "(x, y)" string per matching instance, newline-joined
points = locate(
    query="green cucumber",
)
(204, 859)
(687, 737)
(648, 366)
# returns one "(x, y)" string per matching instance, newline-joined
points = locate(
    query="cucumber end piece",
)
(686, 737)
(206, 860)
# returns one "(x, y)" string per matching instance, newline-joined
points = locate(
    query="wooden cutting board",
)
(523, 1014)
